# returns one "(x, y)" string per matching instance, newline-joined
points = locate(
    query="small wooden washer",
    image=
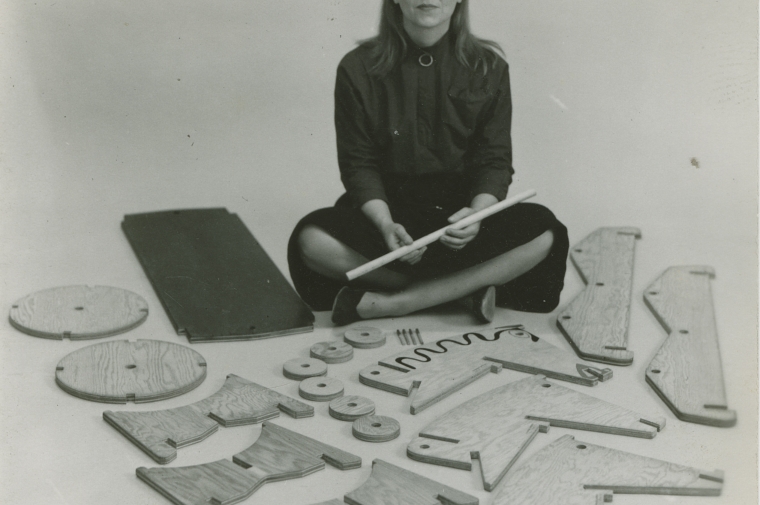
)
(320, 389)
(376, 428)
(303, 368)
(332, 352)
(364, 337)
(351, 408)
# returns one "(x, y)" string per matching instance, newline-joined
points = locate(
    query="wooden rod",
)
(432, 237)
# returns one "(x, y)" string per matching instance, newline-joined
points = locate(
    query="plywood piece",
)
(351, 408)
(213, 278)
(596, 321)
(78, 312)
(332, 352)
(686, 371)
(497, 426)
(443, 367)
(320, 389)
(302, 368)
(578, 473)
(278, 454)
(122, 371)
(239, 402)
(376, 428)
(364, 337)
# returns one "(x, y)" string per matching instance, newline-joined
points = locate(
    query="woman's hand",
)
(396, 236)
(457, 239)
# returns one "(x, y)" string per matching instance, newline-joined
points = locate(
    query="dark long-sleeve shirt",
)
(430, 135)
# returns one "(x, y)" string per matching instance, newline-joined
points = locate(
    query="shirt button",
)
(395, 132)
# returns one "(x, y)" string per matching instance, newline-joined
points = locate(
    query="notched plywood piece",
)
(570, 471)
(239, 402)
(122, 371)
(443, 367)
(686, 372)
(278, 454)
(596, 321)
(78, 312)
(497, 426)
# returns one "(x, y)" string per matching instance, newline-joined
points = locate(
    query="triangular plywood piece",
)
(497, 426)
(573, 472)
(278, 454)
(686, 371)
(443, 367)
(160, 433)
(596, 321)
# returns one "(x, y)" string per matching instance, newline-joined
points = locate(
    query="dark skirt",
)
(537, 290)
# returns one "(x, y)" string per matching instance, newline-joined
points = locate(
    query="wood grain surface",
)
(78, 312)
(686, 372)
(351, 408)
(364, 337)
(596, 321)
(278, 454)
(332, 352)
(320, 389)
(443, 367)
(578, 473)
(302, 368)
(239, 402)
(122, 371)
(497, 426)
(376, 428)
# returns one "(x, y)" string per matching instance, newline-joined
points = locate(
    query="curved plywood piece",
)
(573, 472)
(497, 426)
(596, 321)
(122, 371)
(278, 454)
(446, 366)
(686, 372)
(78, 312)
(160, 433)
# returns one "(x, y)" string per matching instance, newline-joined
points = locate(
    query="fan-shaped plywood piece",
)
(498, 425)
(596, 321)
(448, 365)
(573, 472)
(278, 454)
(78, 312)
(686, 372)
(160, 433)
(122, 371)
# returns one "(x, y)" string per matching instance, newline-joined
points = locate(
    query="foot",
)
(481, 303)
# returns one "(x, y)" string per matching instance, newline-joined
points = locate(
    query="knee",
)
(312, 243)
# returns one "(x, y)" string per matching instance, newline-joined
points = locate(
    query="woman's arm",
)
(394, 234)
(457, 239)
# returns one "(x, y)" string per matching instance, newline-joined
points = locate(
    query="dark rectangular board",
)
(213, 278)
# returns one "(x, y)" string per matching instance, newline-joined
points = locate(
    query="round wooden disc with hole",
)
(320, 389)
(364, 337)
(78, 312)
(299, 369)
(351, 407)
(122, 371)
(332, 352)
(376, 428)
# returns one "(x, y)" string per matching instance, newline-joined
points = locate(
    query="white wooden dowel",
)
(432, 237)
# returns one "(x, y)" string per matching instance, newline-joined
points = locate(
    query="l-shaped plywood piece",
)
(392, 485)
(448, 365)
(278, 454)
(686, 372)
(571, 471)
(497, 426)
(160, 433)
(596, 321)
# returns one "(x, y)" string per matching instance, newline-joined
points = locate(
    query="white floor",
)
(626, 114)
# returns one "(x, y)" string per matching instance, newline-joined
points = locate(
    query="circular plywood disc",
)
(320, 389)
(302, 368)
(78, 312)
(376, 428)
(122, 371)
(364, 337)
(351, 408)
(332, 352)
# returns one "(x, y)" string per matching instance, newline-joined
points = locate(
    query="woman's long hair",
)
(389, 46)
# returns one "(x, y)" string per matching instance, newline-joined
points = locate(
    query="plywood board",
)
(686, 372)
(122, 371)
(596, 321)
(160, 433)
(443, 367)
(278, 454)
(78, 312)
(497, 426)
(213, 278)
(574, 472)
